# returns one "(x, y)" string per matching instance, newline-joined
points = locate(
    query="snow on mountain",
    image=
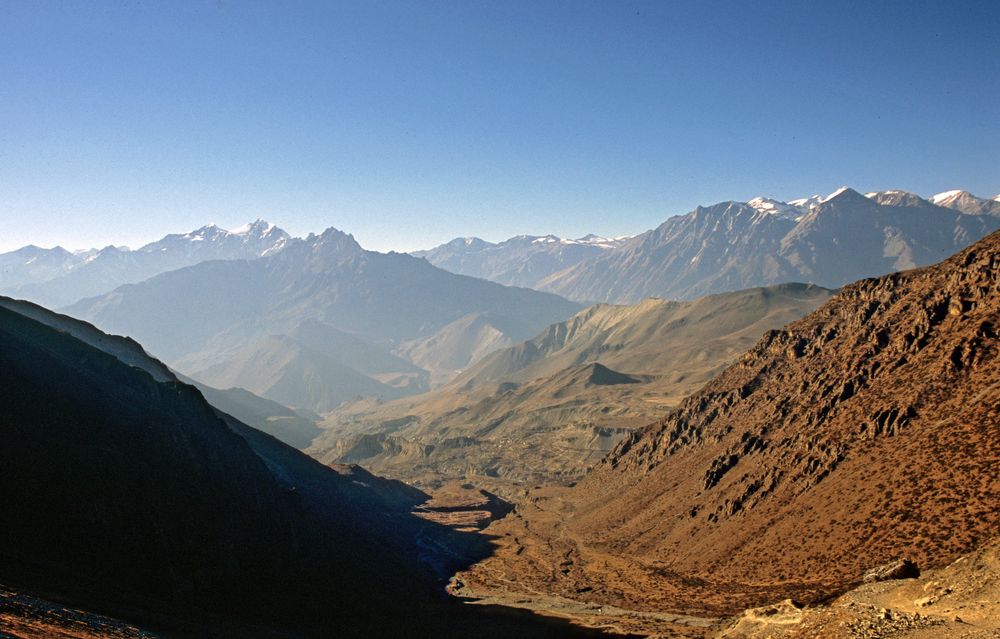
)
(777, 207)
(591, 240)
(807, 202)
(597, 240)
(946, 196)
(31, 263)
(837, 193)
(522, 260)
(871, 195)
(545, 239)
(836, 239)
(61, 277)
(966, 203)
(896, 197)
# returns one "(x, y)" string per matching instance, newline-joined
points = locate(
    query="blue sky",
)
(409, 123)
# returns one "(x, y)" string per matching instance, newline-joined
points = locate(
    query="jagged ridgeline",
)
(826, 241)
(867, 431)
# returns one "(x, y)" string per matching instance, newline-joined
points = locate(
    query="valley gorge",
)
(663, 468)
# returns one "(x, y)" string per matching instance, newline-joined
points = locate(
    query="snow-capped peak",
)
(762, 203)
(840, 191)
(895, 197)
(257, 227)
(945, 196)
(770, 206)
(966, 202)
(589, 239)
(872, 194)
(807, 202)
(600, 240)
(546, 239)
(209, 230)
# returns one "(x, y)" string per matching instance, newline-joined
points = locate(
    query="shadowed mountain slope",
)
(263, 414)
(129, 493)
(867, 431)
(268, 416)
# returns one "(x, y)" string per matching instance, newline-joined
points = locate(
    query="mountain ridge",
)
(523, 260)
(862, 433)
(99, 271)
(210, 316)
(732, 245)
(548, 408)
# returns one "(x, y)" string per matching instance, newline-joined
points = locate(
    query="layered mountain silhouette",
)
(295, 428)
(32, 264)
(318, 321)
(547, 409)
(865, 432)
(124, 490)
(452, 349)
(55, 277)
(524, 260)
(825, 241)
(653, 336)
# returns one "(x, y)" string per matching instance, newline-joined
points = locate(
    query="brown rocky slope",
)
(866, 431)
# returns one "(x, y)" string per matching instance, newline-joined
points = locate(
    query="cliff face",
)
(868, 430)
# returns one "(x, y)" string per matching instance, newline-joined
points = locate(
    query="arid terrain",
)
(958, 601)
(546, 410)
(548, 319)
(865, 432)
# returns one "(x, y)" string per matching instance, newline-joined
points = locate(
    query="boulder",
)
(899, 569)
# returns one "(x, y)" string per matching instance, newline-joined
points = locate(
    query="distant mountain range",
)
(524, 260)
(828, 241)
(55, 277)
(318, 321)
(825, 241)
(311, 323)
(723, 247)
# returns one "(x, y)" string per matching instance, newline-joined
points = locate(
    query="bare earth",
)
(961, 600)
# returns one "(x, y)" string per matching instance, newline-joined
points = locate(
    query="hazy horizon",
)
(376, 247)
(408, 125)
